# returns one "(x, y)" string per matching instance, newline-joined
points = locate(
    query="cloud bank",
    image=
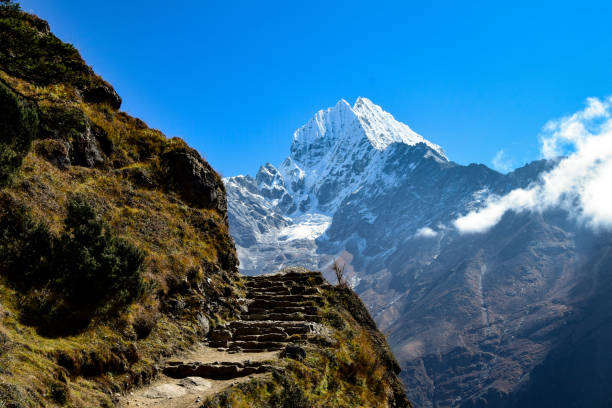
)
(581, 182)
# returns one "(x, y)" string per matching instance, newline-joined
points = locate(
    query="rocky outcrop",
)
(102, 93)
(194, 179)
(85, 143)
(62, 138)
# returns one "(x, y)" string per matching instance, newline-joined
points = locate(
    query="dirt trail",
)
(190, 392)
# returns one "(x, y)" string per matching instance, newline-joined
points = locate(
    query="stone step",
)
(251, 331)
(290, 298)
(286, 276)
(283, 317)
(265, 303)
(280, 280)
(270, 285)
(280, 285)
(254, 345)
(267, 323)
(261, 337)
(293, 290)
(216, 370)
(253, 293)
(218, 344)
(270, 327)
(307, 310)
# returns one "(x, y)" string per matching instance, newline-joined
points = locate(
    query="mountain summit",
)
(333, 154)
(362, 126)
(278, 215)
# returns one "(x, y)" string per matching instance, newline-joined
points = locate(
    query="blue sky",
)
(236, 78)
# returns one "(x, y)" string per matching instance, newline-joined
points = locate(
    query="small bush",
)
(290, 395)
(335, 320)
(58, 392)
(144, 322)
(5, 344)
(14, 396)
(18, 128)
(92, 267)
(25, 248)
(339, 271)
(8, 7)
(68, 279)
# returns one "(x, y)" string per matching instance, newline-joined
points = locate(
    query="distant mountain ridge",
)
(469, 316)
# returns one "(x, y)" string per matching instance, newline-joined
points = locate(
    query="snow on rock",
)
(278, 216)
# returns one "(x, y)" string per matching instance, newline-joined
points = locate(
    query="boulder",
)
(87, 143)
(294, 352)
(85, 150)
(102, 93)
(203, 325)
(221, 335)
(195, 180)
(54, 151)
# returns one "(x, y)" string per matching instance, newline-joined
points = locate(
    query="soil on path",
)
(190, 392)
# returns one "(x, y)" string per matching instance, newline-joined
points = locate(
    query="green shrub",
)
(290, 395)
(8, 7)
(18, 128)
(93, 268)
(58, 392)
(68, 279)
(25, 248)
(29, 51)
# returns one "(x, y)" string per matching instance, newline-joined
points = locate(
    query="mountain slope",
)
(469, 316)
(115, 252)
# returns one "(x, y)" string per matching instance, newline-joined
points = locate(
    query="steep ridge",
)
(116, 264)
(469, 316)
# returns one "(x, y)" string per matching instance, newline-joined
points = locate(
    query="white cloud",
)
(502, 163)
(425, 232)
(581, 183)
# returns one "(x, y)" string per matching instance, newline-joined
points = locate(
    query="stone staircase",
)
(283, 309)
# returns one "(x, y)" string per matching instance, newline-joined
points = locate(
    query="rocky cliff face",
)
(115, 252)
(469, 316)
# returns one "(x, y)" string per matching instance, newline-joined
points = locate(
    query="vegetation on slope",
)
(83, 272)
(115, 251)
(108, 263)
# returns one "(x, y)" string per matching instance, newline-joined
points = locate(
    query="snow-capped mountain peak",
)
(382, 129)
(344, 128)
(342, 151)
